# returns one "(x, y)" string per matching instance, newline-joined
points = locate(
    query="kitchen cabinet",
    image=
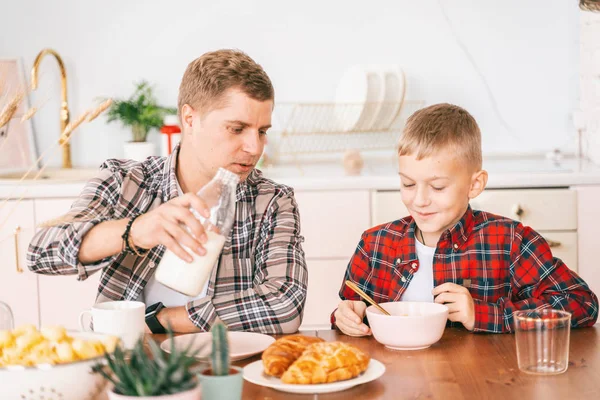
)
(62, 297)
(18, 286)
(387, 206)
(325, 278)
(542, 209)
(588, 243)
(332, 223)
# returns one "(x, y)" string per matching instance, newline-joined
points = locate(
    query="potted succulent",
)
(141, 113)
(142, 375)
(221, 380)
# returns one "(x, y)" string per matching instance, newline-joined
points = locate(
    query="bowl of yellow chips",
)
(52, 363)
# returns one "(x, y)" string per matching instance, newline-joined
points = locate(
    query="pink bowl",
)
(412, 325)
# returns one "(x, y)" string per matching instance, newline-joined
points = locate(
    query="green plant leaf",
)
(220, 349)
(139, 109)
(148, 371)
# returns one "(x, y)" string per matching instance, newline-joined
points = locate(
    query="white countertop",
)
(376, 175)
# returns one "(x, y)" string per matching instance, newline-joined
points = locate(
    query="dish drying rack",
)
(326, 128)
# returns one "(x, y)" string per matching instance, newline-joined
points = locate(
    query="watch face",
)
(152, 309)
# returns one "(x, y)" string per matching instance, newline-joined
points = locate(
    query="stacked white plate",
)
(369, 97)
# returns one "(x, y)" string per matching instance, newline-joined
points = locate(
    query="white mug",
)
(125, 319)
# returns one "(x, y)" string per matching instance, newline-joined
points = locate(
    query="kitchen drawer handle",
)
(518, 211)
(553, 243)
(17, 231)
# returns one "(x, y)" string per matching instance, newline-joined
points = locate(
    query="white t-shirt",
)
(156, 291)
(421, 284)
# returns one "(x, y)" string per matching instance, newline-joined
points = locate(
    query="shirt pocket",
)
(489, 290)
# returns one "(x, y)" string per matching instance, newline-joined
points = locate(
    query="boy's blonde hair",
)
(208, 77)
(442, 126)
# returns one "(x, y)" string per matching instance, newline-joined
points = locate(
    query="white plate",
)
(351, 96)
(395, 89)
(359, 96)
(241, 344)
(375, 98)
(254, 373)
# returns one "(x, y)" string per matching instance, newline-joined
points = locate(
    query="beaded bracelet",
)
(128, 244)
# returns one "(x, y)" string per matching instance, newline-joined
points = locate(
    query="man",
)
(126, 216)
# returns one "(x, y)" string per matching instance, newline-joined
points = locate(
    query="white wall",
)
(590, 82)
(526, 50)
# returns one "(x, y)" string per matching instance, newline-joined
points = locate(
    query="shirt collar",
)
(456, 236)
(411, 243)
(460, 232)
(169, 176)
(245, 189)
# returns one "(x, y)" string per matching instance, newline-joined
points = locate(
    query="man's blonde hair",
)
(208, 77)
(442, 126)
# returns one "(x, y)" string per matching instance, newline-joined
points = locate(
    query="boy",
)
(482, 266)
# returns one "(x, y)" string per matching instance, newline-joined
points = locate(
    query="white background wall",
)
(590, 82)
(527, 51)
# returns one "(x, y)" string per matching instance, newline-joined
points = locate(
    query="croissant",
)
(325, 363)
(283, 352)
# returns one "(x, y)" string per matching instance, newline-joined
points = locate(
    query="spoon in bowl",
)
(365, 296)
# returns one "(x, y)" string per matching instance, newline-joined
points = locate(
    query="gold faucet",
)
(64, 107)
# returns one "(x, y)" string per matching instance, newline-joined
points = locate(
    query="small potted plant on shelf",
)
(141, 113)
(151, 375)
(221, 380)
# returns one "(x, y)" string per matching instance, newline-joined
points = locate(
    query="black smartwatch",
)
(152, 321)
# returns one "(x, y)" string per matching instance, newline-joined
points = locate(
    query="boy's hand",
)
(459, 302)
(349, 316)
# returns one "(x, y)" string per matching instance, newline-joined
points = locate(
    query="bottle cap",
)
(227, 177)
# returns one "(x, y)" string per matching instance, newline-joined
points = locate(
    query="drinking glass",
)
(542, 339)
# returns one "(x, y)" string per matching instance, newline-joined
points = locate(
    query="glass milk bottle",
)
(189, 278)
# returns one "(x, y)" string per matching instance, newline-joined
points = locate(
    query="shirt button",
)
(151, 264)
(403, 279)
(398, 261)
(455, 246)
(414, 265)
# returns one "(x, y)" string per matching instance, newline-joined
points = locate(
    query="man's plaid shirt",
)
(505, 265)
(260, 282)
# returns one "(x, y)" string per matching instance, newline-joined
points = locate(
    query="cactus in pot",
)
(220, 350)
(221, 381)
(148, 372)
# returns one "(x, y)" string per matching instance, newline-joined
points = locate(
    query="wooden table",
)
(461, 366)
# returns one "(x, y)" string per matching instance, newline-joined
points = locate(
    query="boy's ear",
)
(478, 183)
